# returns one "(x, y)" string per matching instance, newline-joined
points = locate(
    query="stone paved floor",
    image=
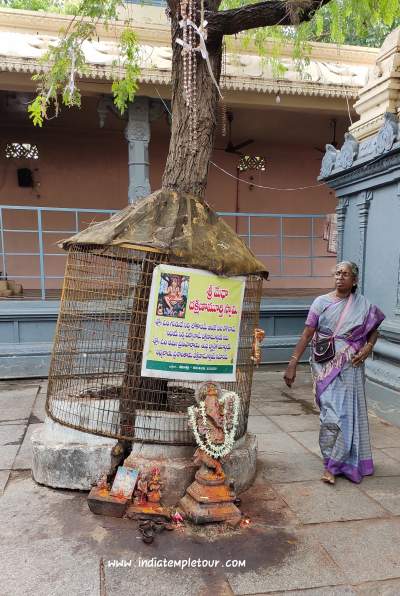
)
(305, 538)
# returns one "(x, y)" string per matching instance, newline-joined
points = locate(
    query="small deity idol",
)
(154, 486)
(102, 483)
(259, 335)
(142, 488)
(210, 393)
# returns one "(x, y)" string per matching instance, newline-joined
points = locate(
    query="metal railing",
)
(310, 221)
(258, 230)
(39, 230)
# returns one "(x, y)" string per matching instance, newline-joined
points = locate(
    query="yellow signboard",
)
(193, 323)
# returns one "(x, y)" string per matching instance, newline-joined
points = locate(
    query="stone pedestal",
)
(208, 499)
(175, 463)
(177, 469)
(63, 457)
(101, 502)
(148, 511)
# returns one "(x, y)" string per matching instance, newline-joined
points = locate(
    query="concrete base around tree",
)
(63, 457)
(178, 470)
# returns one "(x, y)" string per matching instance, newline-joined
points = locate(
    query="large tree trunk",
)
(187, 170)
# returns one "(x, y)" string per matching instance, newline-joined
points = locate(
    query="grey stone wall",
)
(366, 179)
(27, 331)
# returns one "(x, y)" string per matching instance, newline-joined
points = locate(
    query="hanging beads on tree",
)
(222, 103)
(193, 41)
(193, 65)
(188, 9)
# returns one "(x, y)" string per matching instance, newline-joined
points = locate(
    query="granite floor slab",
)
(16, 403)
(269, 394)
(278, 408)
(364, 551)
(41, 569)
(384, 463)
(384, 435)
(23, 459)
(309, 440)
(385, 491)
(322, 591)
(279, 468)
(300, 569)
(12, 434)
(38, 413)
(170, 582)
(304, 538)
(394, 452)
(4, 475)
(390, 587)
(316, 502)
(7, 456)
(278, 442)
(261, 425)
(302, 422)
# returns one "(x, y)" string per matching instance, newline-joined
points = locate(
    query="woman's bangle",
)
(294, 358)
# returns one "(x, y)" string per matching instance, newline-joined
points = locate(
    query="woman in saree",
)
(346, 315)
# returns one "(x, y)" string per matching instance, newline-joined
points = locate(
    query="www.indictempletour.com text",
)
(154, 562)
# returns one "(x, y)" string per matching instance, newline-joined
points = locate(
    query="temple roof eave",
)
(232, 83)
(331, 72)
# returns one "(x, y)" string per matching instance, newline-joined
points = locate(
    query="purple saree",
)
(339, 386)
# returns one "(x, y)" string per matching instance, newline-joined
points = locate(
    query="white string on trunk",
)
(193, 41)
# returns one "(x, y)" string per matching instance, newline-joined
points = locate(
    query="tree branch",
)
(262, 14)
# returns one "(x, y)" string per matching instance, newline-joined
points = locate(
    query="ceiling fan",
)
(230, 147)
(334, 143)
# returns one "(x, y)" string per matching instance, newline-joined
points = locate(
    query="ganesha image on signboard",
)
(172, 295)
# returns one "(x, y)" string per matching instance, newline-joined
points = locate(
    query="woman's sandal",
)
(328, 478)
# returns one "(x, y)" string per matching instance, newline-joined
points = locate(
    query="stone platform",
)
(63, 457)
(177, 469)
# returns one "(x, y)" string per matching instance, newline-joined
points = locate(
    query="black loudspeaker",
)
(25, 178)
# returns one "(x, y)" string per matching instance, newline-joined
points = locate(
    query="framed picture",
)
(124, 482)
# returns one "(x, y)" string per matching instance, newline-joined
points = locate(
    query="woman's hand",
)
(305, 338)
(362, 355)
(290, 373)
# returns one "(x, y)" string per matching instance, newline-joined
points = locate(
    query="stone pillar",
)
(363, 207)
(341, 210)
(137, 133)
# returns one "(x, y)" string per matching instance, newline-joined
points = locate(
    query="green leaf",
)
(364, 22)
(35, 110)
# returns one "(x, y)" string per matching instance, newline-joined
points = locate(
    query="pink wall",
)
(84, 166)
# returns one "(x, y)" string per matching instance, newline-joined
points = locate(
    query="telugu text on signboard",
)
(193, 324)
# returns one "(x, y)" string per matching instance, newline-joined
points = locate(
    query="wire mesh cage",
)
(95, 383)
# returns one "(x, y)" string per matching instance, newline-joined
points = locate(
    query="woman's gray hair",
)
(354, 269)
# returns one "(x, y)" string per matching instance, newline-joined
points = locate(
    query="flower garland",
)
(231, 403)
